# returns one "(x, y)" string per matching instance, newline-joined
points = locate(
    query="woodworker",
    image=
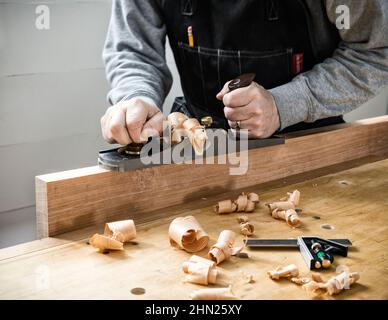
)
(314, 60)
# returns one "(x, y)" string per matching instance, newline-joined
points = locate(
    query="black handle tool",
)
(241, 81)
(317, 252)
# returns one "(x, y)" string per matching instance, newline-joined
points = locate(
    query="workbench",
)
(349, 196)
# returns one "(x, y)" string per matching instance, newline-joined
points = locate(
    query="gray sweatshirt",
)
(134, 56)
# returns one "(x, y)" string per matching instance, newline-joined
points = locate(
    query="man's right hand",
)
(131, 121)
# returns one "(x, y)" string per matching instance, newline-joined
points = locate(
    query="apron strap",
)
(188, 7)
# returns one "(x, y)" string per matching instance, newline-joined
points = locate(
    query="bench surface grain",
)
(353, 201)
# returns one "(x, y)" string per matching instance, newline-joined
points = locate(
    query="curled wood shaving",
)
(213, 294)
(290, 271)
(177, 136)
(246, 202)
(290, 216)
(290, 202)
(294, 197)
(200, 270)
(115, 234)
(281, 205)
(247, 228)
(300, 280)
(197, 135)
(223, 249)
(226, 206)
(303, 280)
(176, 120)
(122, 231)
(182, 126)
(286, 210)
(103, 242)
(186, 233)
(335, 285)
(254, 197)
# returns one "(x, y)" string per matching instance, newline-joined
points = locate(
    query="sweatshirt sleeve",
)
(134, 52)
(357, 71)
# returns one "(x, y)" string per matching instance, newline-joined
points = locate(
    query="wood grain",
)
(80, 198)
(353, 201)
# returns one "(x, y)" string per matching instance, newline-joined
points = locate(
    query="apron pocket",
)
(206, 70)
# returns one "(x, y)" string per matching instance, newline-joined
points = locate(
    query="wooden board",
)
(354, 202)
(76, 199)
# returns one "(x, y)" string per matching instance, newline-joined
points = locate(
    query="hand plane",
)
(129, 157)
(317, 252)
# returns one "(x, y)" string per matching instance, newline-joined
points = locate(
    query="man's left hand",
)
(252, 108)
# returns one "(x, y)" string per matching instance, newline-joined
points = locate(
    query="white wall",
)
(52, 94)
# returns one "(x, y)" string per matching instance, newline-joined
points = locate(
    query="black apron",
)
(273, 38)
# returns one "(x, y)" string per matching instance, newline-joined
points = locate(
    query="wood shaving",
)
(246, 202)
(198, 259)
(286, 210)
(176, 120)
(300, 280)
(177, 136)
(103, 242)
(290, 216)
(290, 271)
(213, 294)
(182, 126)
(186, 233)
(294, 197)
(115, 235)
(224, 249)
(247, 228)
(122, 231)
(281, 205)
(303, 280)
(333, 286)
(226, 206)
(200, 270)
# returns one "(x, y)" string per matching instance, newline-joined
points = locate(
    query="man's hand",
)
(131, 121)
(253, 107)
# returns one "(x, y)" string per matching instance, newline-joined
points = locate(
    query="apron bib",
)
(272, 38)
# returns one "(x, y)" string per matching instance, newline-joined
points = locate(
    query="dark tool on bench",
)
(317, 252)
(127, 158)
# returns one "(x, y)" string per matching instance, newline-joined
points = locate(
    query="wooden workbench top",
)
(354, 202)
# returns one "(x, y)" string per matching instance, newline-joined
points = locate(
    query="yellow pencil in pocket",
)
(190, 36)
